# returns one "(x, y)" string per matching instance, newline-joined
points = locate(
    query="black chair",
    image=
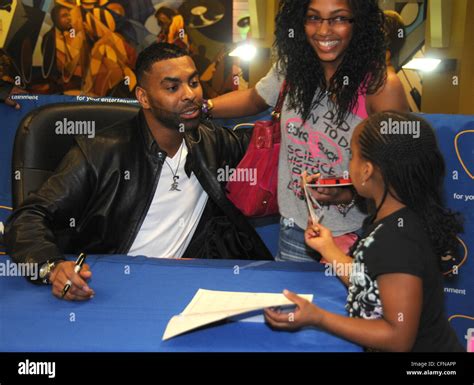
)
(38, 149)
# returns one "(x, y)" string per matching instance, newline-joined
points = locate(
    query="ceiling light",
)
(245, 52)
(422, 64)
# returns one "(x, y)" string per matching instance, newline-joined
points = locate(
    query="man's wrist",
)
(46, 269)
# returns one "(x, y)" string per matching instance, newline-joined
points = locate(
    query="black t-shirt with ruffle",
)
(399, 244)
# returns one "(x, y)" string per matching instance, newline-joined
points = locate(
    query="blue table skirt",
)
(130, 311)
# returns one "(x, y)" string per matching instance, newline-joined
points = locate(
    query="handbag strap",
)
(281, 99)
(240, 125)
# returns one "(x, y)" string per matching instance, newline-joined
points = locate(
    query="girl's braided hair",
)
(413, 171)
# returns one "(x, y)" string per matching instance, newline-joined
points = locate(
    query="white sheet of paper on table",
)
(208, 306)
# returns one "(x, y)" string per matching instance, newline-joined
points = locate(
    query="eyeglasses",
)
(337, 21)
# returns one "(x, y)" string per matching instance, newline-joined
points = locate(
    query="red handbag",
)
(253, 186)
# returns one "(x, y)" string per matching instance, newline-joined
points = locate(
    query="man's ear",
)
(142, 97)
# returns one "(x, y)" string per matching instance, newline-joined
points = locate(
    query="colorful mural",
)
(89, 47)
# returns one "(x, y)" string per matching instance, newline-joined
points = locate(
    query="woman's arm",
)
(238, 103)
(401, 296)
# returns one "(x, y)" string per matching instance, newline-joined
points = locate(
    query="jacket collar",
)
(153, 149)
(148, 140)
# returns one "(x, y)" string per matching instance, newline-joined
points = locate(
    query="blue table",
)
(130, 311)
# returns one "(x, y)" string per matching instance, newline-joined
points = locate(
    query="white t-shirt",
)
(173, 215)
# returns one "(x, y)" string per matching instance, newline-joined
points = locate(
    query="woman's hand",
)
(305, 314)
(326, 195)
(308, 179)
(319, 238)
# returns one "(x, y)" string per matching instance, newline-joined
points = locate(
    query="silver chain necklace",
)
(174, 185)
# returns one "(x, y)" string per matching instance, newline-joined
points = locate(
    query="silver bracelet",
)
(344, 208)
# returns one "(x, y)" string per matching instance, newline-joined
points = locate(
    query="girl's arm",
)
(320, 239)
(401, 296)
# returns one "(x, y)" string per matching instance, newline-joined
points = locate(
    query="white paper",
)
(317, 185)
(210, 306)
(315, 215)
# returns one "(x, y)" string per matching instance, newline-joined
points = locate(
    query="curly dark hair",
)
(363, 62)
(413, 171)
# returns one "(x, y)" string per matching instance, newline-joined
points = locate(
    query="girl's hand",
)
(305, 314)
(319, 238)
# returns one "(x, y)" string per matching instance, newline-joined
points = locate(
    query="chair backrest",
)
(45, 135)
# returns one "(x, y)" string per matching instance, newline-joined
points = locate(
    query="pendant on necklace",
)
(174, 185)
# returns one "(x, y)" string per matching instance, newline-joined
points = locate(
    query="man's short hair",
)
(392, 27)
(55, 13)
(155, 53)
(169, 12)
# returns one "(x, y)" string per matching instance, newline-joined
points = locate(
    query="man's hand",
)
(80, 290)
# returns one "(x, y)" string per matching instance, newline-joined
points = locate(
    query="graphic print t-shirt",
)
(316, 146)
(399, 244)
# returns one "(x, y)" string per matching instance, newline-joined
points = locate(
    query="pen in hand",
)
(79, 262)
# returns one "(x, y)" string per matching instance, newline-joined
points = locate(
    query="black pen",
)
(79, 262)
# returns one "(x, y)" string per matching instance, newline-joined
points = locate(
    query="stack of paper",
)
(209, 306)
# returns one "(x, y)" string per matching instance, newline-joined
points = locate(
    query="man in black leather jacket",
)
(107, 186)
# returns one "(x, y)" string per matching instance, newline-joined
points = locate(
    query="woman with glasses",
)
(331, 56)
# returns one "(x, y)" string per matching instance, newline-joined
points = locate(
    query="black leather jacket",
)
(99, 195)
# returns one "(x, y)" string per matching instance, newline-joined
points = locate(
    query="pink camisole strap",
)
(361, 110)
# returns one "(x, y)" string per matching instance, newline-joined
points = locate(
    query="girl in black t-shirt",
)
(395, 299)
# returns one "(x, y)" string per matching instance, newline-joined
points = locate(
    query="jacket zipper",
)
(137, 228)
